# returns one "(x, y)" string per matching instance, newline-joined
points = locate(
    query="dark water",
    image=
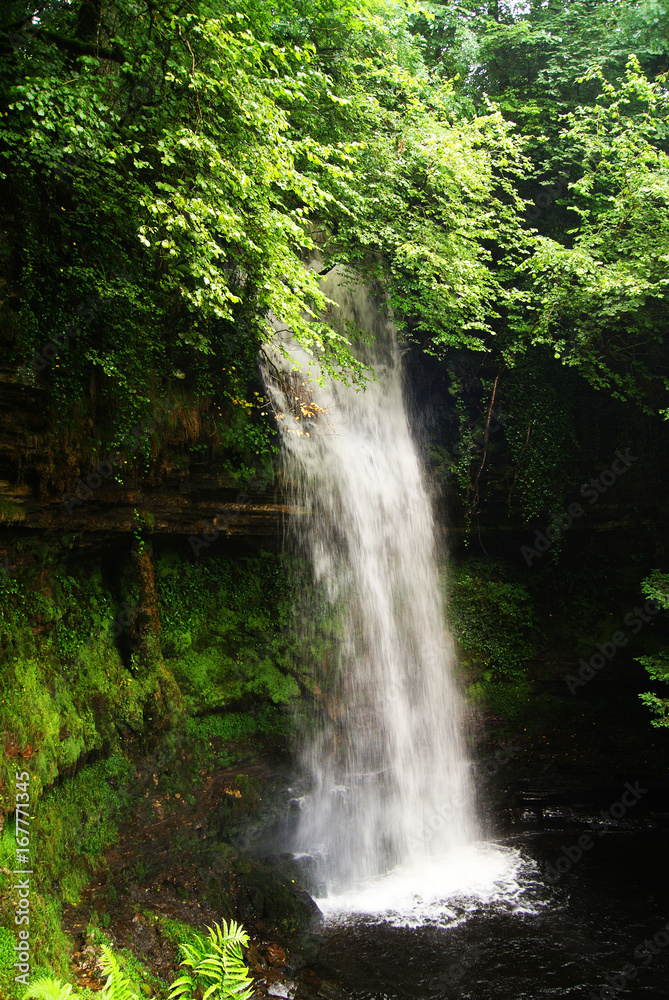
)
(597, 930)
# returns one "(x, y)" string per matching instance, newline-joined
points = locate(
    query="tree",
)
(169, 170)
(599, 294)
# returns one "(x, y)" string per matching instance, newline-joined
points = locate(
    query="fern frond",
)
(118, 986)
(49, 989)
(217, 963)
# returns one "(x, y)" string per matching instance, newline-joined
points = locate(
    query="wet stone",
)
(285, 990)
(275, 954)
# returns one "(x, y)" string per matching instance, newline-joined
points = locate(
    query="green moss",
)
(215, 739)
(69, 689)
(50, 946)
(493, 620)
(508, 699)
(238, 725)
(79, 819)
(142, 981)
(226, 630)
(173, 930)
(64, 686)
(73, 824)
(7, 970)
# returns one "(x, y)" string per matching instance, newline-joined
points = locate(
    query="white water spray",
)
(390, 778)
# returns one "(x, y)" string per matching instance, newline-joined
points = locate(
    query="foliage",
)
(215, 739)
(226, 629)
(247, 139)
(166, 173)
(50, 946)
(587, 301)
(540, 431)
(492, 620)
(49, 989)
(63, 667)
(434, 193)
(79, 819)
(494, 623)
(656, 587)
(117, 987)
(217, 964)
(72, 825)
(600, 298)
(508, 699)
(66, 692)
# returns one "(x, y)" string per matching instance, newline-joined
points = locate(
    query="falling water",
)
(389, 776)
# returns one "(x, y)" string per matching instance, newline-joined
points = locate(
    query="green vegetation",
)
(63, 670)
(656, 589)
(74, 687)
(493, 621)
(226, 630)
(523, 238)
(71, 681)
(118, 986)
(218, 969)
(168, 170)
(244, 138)
(217, 964)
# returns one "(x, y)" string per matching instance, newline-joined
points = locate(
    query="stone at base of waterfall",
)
(254, 959)
(310, 979)
(284, 991)
(275, 954)
(330, 991)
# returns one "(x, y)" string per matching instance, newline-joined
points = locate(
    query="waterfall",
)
(389, 778)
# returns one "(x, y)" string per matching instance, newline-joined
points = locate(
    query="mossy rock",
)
(265, 892)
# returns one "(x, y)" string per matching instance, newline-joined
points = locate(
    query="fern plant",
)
(217, 964)
(49, 989)
(118, 985)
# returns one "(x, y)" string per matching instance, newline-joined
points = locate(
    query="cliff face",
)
(66, 484)
(146, 627)
(149, 648)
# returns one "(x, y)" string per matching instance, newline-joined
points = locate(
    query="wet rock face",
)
(265, 894)
(176, 867)
(51, 489)
(146, 892)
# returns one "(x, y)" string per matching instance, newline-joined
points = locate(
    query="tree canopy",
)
(171, 167)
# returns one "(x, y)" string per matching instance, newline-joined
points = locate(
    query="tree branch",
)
(77, 48)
